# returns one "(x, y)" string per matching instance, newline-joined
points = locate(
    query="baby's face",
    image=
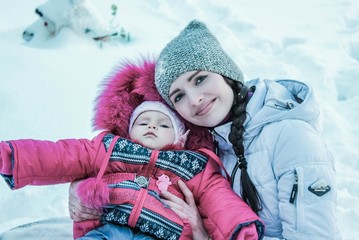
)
(153, 130)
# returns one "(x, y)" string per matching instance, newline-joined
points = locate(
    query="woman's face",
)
(202, 98)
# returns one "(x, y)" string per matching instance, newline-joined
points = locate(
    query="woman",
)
(267, 134)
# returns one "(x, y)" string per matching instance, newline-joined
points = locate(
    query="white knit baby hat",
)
(178, 125)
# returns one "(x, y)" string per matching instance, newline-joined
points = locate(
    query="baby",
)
(126, 177)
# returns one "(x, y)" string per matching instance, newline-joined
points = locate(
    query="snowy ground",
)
(47, 89)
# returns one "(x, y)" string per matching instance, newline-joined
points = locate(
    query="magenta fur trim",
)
(127, 86)
(93, 193)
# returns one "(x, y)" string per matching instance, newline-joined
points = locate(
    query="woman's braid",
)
(249, 191)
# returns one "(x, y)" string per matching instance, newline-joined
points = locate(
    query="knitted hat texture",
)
(195, 48)
(178, 126)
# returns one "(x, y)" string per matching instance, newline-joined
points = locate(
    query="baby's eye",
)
(142, 124)
(164, 126)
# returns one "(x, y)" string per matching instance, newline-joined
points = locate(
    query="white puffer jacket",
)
(283, 145)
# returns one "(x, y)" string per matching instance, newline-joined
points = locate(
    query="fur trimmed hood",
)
(127, 86)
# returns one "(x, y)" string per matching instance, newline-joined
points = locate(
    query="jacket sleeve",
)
(225, 214)
(302, 161)
(37, 162)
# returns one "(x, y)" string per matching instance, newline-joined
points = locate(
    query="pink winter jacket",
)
(225, 215)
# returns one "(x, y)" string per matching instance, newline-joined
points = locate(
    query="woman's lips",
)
(205, 108)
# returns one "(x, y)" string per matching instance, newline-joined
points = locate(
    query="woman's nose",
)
(195, 98)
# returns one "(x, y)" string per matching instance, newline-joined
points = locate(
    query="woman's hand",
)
(78, 212)
(187, 210)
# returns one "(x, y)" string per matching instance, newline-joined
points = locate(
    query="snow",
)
(47, 90)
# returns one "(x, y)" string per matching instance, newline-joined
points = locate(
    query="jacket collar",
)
(275, 101)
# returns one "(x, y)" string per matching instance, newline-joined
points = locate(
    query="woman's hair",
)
(249, 192)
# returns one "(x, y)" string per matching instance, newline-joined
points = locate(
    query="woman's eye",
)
(200, 79)
(177, 98)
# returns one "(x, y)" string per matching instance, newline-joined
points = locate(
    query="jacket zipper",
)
(294, 192)
(216, 145)
(215, 142)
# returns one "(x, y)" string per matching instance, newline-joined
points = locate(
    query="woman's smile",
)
(204, 108)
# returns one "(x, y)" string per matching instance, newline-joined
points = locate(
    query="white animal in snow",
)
(78, 15)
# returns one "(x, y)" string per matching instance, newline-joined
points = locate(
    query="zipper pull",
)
(294, 192)
(216, 148)
(215, 142)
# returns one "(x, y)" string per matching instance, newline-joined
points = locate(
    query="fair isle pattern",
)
(118, 214)
(158, 226)
(127, 151)
(185, 164)
(129, 184)
(149, 222)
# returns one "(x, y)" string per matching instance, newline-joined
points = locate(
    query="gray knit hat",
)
(195, 48)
